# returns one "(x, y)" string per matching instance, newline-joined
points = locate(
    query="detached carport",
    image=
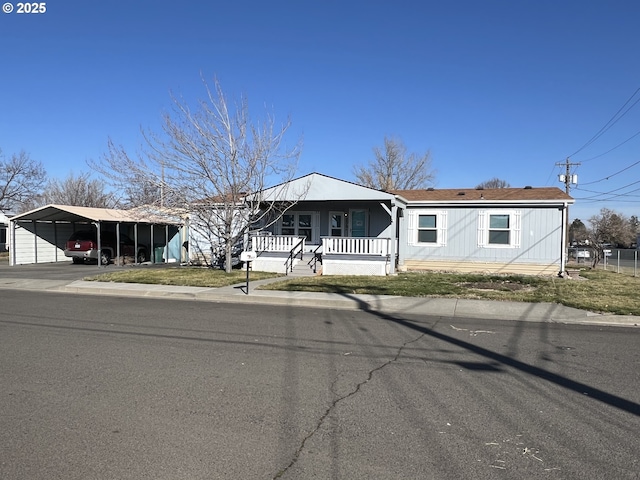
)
(40, 235)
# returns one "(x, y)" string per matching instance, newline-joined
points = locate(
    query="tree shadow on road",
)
(564, 382)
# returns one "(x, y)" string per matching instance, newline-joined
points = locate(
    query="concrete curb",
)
(384, 304)
(445, 307)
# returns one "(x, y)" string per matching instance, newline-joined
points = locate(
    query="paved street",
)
(104, 387)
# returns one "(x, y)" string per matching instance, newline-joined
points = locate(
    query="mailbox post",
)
(247, 256)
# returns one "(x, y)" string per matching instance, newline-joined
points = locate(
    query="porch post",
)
(394, 239)
(563, 240)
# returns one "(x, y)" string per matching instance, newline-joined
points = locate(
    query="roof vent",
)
(430, 189)
(528, 187)
(461, 193)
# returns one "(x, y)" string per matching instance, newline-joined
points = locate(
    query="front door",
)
(358, 223)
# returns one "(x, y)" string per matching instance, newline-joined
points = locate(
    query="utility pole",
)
(567, 179)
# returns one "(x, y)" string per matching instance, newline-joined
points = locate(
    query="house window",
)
(499, 228)
(288, 224)
(427, 229)
(499, 231)
(337, 223)
(300, 224)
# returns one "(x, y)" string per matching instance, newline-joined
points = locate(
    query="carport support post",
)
(166, 243)
(98, 236)
(153, 246)
(13, 226)
(118, 252)
(135, 242)
(35, 241)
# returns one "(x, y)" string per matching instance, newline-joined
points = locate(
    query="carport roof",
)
(69, 213)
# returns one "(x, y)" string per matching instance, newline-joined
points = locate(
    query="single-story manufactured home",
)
(337, 227)
(330, 226)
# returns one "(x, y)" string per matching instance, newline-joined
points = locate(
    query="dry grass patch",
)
(184, 276)
(597, 291)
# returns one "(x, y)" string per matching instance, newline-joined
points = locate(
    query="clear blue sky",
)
(492, 88)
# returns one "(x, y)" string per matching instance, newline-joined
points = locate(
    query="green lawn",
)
(596, 290)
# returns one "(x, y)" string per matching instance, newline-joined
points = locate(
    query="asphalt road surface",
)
(109, 388)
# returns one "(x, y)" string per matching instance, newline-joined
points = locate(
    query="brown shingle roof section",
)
(492, 194)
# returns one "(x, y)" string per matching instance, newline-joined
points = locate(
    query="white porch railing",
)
(275, 243)
(356, 245)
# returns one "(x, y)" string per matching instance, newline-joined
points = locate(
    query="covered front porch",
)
(330, 227)
(333, 256)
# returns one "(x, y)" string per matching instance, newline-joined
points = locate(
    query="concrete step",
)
(303, 268)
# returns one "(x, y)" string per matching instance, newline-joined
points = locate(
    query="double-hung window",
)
(428, 228)
(499, 229)
(297, 223)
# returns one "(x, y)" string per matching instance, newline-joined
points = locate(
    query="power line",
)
(612, 149)
(612, 121)
(610, 193)
(613, 174)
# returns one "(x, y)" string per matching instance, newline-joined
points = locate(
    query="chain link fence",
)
(623, 261)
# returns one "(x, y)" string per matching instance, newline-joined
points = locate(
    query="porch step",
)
(304, 267)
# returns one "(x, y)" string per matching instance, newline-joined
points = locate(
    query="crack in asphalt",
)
(333, 405)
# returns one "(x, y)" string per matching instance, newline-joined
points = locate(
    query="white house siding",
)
(538, 251)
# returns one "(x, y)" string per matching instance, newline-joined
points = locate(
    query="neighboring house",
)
(206, 226)
(4, 225)
(339, 227)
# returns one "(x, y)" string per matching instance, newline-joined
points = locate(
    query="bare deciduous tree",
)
(207, 160)
(141, 192)
(495, 182)
(393, 169)
(80, 191)
(608, 227)
(21, 180)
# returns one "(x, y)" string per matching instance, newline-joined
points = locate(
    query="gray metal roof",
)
(319, 187)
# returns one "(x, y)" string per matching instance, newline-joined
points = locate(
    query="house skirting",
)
(271, 264)
(374, 265)
(482, 267)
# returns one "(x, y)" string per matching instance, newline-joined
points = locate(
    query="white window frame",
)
(296, 227)
(441, 227)
(515, 228)
(343, 221)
